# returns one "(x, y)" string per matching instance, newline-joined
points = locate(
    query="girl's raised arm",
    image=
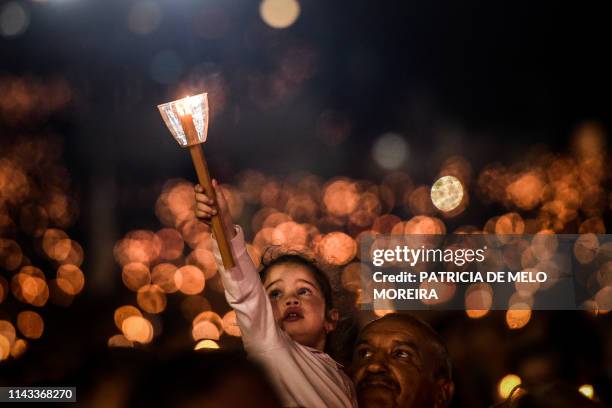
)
(243, 288)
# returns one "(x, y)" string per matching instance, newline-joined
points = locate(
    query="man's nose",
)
(377, 364)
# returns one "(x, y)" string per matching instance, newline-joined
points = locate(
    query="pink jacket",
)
(303, 376)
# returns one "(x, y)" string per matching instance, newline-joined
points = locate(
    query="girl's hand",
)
(206, 209)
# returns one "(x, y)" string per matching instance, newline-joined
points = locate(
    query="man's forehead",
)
(391, 330)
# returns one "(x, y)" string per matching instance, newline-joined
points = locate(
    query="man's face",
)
(393, 366)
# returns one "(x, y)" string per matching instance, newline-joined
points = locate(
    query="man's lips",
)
(383, 382)
(293, 314)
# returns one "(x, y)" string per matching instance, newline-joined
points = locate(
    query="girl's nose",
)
(292, 301)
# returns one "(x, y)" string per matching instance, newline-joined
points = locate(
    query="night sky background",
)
(485, 80)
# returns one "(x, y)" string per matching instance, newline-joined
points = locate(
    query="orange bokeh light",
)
(544, 245)
(518, 315)
(290, 234)
(30, 324)
(604, 274)
(478, 300)
(586, 248)
(526, 190)
(230, 324)
(510, 224)
(263, 239)
(351, 276)
(272, 195)
(337, 248)
(180, 200)
(275, 218)
(196, 234)
(419, 201)
(205, 330)
(119, 340)
(8, 331)
(123, 313)
(166, 277)
(193, 280)
(137, 328)
(4, 289)
(72, 275)
(423, 225)
(209, 316)
(11, 255)
(19, 347)
(34, 290)
(135, 275)
(29, 286)
(5, 348)
(151, 299)
(603, 299)
(594, 225)
(138, 246)
(172, 243)
(51, 238)
(340, 197)
(302, 207)
(459, 167)
(204, 260)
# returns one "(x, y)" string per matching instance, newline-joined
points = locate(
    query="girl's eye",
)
(274, 294)
(304, 291)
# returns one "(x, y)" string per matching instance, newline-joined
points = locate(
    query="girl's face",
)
(298, 304)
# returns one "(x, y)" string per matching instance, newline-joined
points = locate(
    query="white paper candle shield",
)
(195, 107)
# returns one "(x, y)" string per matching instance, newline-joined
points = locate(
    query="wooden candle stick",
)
(199, 162)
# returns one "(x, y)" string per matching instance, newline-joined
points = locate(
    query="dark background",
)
(486, 81)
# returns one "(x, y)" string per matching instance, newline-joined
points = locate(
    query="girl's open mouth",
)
(293, 314)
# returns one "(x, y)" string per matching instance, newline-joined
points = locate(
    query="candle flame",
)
(183, 106)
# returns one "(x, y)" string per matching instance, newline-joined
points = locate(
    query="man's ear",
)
(444, 393)
(332, 320)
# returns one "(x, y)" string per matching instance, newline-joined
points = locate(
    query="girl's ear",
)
(332, 320)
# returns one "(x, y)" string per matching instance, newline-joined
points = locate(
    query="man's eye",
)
(402, 354)
(304, 291)
(274, 294)
(365, 353)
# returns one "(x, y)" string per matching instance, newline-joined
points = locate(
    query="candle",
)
(187, 120)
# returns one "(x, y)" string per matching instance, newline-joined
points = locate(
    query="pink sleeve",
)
(246, 295)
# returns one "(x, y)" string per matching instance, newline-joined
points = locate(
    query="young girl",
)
(284, 318)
